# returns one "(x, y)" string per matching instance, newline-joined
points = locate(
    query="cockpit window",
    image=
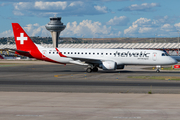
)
(165, 54)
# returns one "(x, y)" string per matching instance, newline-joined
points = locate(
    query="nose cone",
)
(174, 61)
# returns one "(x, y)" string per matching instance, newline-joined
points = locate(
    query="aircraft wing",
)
(86, 60)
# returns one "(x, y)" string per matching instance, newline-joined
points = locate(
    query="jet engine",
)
(108, 65)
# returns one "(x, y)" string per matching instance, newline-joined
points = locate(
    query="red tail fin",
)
(23, 41)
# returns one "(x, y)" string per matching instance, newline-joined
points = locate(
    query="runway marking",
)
(55, 75)
(60, 75)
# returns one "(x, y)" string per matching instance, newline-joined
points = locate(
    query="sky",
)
(93, 18)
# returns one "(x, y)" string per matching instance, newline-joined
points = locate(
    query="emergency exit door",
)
(154, 56)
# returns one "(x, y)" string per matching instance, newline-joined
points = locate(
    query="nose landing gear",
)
(158, 67)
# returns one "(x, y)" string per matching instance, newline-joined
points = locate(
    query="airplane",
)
(105, 59)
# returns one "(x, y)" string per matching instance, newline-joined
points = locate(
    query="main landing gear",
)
(158, 67)
(89, 69)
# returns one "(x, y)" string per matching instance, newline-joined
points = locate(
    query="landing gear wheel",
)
(158, 71)
(89, 70)
(95, 69)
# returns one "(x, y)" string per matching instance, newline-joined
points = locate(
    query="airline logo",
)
(132, 54)
(22, 38)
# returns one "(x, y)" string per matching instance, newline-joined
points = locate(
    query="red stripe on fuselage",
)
(60, 54)
(38, 55)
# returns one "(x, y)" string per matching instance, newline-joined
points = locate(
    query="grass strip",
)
(155, 77)
(11, 64)
(163, 68)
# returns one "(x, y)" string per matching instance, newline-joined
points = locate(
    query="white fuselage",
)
(120, 56)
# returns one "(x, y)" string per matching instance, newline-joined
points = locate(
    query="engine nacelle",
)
(108, 65)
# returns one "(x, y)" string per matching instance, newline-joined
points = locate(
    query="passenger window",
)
(93, 53)
(82, 53)
(64, 52)
(106, 53)
(53, 52)
(89, 53)
(101, 53)
(75, 53)
(110, 53)
(49, 52)
(71, 52)
(85, 53)
(163, 54)
(56, 52)
(78, 52)
(97, 53)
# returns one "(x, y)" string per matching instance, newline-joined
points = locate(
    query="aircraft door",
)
(154, 56)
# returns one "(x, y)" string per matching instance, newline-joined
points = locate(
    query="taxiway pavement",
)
(88, 106)
(36, 90)
(32, 77)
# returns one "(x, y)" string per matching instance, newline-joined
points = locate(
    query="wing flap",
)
(86, 60)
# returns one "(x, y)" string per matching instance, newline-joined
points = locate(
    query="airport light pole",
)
(155, 37)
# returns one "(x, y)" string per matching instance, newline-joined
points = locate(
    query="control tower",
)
(55, 26)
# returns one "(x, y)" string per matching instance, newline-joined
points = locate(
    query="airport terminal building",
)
(171, 48)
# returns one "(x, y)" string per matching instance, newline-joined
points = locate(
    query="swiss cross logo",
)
(21, 38)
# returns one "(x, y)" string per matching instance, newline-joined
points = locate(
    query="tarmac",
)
(41, 91)
(40, 76)
(88, 106)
